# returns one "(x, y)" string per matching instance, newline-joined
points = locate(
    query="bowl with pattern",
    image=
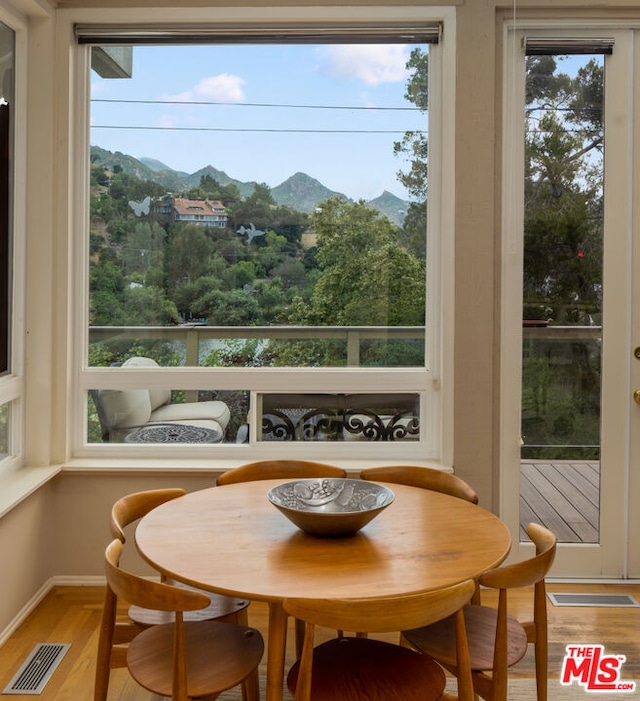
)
(330, 506)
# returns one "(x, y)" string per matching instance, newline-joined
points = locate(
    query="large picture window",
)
(256, 206)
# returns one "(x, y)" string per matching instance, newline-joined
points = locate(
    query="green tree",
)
(144, 247)
(270, 299)
(414, 145)
(257, 209)
(414, 148)
(292, 273)
(106, 284)
(188, 256)
(190, 298)
(273, 252)
(391, 289)
(234, 308)
(365, 279)
(210, 189)
(361, 265)
(238, 275)
(289, 223)
(563, 193)
(147, 306)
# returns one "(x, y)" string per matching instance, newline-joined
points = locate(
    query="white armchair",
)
(123, 411)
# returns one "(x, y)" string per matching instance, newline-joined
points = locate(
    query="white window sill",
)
(132, 465)
(17, 485)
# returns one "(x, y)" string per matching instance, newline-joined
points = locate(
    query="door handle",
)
(636, 396)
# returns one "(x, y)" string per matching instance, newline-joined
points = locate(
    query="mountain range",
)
(300, 191)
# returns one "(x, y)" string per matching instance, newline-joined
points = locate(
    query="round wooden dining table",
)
(232, 540)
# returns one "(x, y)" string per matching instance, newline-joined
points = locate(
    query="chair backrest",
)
(424, 477)
(134, 506)
(279, 469)
(527, 572)
(384, 615)
(148, 593)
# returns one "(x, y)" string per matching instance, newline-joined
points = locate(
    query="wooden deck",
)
(562, 495)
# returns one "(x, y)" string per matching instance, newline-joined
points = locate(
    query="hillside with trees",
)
(146, 270)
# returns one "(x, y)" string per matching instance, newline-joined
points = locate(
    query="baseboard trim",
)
(25, 611)
(60, 581)
(78, 581)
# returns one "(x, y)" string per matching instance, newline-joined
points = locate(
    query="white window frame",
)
(434, 384)
(12, 384)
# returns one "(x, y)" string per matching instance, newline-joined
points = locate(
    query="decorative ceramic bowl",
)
(330, 506)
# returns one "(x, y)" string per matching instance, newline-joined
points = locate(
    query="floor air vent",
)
(606, 600)
(37, 669)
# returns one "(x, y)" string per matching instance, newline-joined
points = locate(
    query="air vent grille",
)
(37, 669)
(606, 600)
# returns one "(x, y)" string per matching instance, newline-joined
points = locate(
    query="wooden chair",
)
(497, 641)
(279, 469)
(424, 477)
(183, 659)
(112, 647)
(134, 506)
(350, 668)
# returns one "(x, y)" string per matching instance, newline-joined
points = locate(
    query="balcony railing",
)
(561, 386)
(195, 340)
(531, 331)
(561, 369)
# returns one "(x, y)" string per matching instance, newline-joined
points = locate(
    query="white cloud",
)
(216, 88)
(374, 64)
(98, 87)
(168, 121)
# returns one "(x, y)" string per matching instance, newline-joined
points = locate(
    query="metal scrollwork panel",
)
(339, 423)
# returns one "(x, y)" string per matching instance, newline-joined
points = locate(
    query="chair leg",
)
(101, 687)
(541, 672)
(242, 617)
(105, 644)
(251, 687)
(300, 627)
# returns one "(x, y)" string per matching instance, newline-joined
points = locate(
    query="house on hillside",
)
(199, 212)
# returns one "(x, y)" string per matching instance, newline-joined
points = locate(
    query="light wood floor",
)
(72, 615)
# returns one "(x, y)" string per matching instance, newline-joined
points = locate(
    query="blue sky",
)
(307, 89)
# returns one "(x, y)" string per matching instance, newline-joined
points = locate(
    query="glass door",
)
(565, 460)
